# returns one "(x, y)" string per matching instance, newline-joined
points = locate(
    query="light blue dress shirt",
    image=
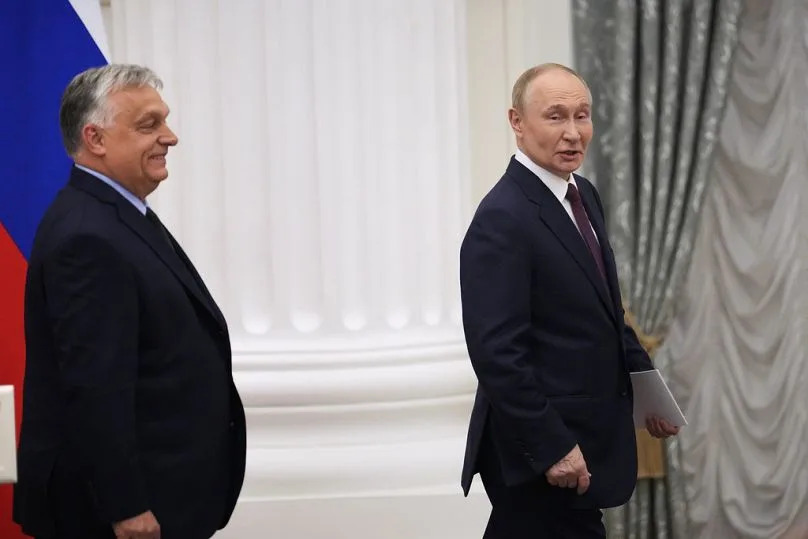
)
(136, 202)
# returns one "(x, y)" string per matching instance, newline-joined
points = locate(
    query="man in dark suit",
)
(132, 426)
(551, 433)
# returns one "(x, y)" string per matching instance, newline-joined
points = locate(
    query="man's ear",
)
(93, 138)
(515, 119)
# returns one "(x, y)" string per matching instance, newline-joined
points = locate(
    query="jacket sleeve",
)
(637, 358)
(92, 302)
(495, 280)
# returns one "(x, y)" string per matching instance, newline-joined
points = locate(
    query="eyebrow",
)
(561, 108)
(153, 113)
(556, 109)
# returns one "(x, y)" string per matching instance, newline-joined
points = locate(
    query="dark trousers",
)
(532, 510)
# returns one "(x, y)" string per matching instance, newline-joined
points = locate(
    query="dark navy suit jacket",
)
(129, 403)
(547, 341)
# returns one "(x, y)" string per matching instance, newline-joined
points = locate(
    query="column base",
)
(446, 515)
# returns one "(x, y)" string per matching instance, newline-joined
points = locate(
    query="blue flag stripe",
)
(44, 44)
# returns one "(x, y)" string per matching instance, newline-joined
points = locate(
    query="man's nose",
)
(168, 138)
(571, 131)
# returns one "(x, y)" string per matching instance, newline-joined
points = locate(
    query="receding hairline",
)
(159, 106)
(524, 80)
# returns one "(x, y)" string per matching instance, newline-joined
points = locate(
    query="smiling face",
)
(131, 149)
(553, 125)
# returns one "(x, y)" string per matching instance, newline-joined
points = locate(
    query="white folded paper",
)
(8, 438)
(652, 397)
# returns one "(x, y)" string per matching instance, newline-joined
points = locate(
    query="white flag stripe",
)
(89, 11)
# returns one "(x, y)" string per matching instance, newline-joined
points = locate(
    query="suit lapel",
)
(177, 261)
(560, 224)
(553, 214)
(198, 280)
(183, 270)
(596, 218)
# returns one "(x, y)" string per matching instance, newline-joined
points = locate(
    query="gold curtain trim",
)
(650, 460)
(651, 343)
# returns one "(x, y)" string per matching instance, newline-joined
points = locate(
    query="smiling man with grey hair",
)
(132, 426)
(85, 99)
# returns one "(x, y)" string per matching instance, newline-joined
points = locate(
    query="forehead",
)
(138, 101)
(557, 87)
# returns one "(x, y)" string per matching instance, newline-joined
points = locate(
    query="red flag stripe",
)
(12, 347)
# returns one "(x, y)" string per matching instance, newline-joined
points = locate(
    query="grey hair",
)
(84, 101)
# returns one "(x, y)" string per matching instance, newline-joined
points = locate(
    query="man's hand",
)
(659, 428)
(143, 526)
(570, 472)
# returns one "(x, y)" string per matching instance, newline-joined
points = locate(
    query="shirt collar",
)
(136, 202)
(556, 184)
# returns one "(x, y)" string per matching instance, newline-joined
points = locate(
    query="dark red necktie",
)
(585, 228)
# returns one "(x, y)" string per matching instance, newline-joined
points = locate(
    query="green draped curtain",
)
(659, 72)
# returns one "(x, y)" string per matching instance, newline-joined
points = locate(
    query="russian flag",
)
(44, 44)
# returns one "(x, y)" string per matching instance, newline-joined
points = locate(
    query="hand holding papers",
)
(653, 398)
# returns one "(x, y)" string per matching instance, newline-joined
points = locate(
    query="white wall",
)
(330, 156)
(506, 37)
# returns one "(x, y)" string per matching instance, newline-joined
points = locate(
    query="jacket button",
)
(624, 393)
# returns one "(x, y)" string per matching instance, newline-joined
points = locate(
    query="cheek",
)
(146, 151)
(544, 140)
(554, 141)
(586, 135)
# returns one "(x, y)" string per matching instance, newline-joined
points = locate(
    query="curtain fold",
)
(659, 73)
(736, 352)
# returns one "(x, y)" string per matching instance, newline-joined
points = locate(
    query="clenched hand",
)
(143, 526)
(660, 428)
(570, 472)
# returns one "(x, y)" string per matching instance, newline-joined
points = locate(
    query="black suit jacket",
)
(129, 403)
(548, 343)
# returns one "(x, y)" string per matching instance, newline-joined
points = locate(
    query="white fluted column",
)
(320, 186)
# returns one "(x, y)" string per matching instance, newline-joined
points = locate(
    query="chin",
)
(569, 168)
